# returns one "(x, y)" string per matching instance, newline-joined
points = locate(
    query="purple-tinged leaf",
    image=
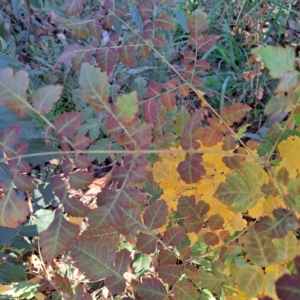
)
(191, 132)
(120, 11)
(278, 227)
(94, 87)
(57, 237)
(74, 207)
(202, 208)
(130, 197)
(297, 264)
(59, 187)
(81, 294)
(126, 108)
(131, 221)
(191, 272)
(9, 136)
(168, 100)
(21, 148)
(108, 21)
(145, 9)
(94, 257)
(153, 89)
(24, 167)
(170, 274)
(94, 25)
(148, 31)
(67, 166)
(44, 99)
(150, 110)
(191, 170)
(13, 91)
(193, 223)
(186, 291)
(288, 287)
(174, 236)
(108, 212)
(81, 161)
(185, 253)
(115, 284)
(187, 205)
(68, 123)
(103, 233)
(152, 288)
(80, 180)
(136, 168)
(24, 183)
(106, 59)
(216, 222)
(74, 7)
(80, 142)
(63, 283)
(166, 257)
(155, 216)
(13, 210)
(211, 239)
(146, 243)
(163, 21)
(158, 40)
(188, 57)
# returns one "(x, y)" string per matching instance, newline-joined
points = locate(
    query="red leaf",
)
(58, 237)
(191, 272)
(184, 90)
(144, 51)
(95, 26)
(211, 135)
(150, 110)
(74, 207)
(171, 84)
(74, 7)
(235, 113)
(188, 57)
(163, 21)
(191, 170)
(80, 180)
(185, 253)
(126, 55)
(158, 40)
(166, 257)
(13, 91)
(155, 216)
(187, 205)
(13, 210)
(94, 257)
(201, 65)
(59, 187)
(191, 131)
(153, 89)
(68, 123)
(168, 100)
(106, 59)
(80, 142)
(146, 243)
(206, 42)
(9, 136)
(152, 288)
(288, 287)
(193, 223)
(145, 9)
(216, 222)
(174, 236)
(67, 166)
(211, 239)
(148, 31)
(120, 11)
(81, 294)
(63, 283)
(196, 81)
(45, 97)
(169, 274)
(81, 161)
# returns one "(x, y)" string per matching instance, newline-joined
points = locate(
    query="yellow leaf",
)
(272, 203)
(258, 210)
(289, 166)
(193, 237)
(289, 149)
(237, 222)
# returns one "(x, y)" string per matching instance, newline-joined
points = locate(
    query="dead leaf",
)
(250, 75)
(259, 93)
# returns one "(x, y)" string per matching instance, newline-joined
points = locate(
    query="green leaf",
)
(277, 59)
(287, 247)
(260, 249)
(181, 119)
(126, 107)
(141, 263)
(251, 280)
(12, 273)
